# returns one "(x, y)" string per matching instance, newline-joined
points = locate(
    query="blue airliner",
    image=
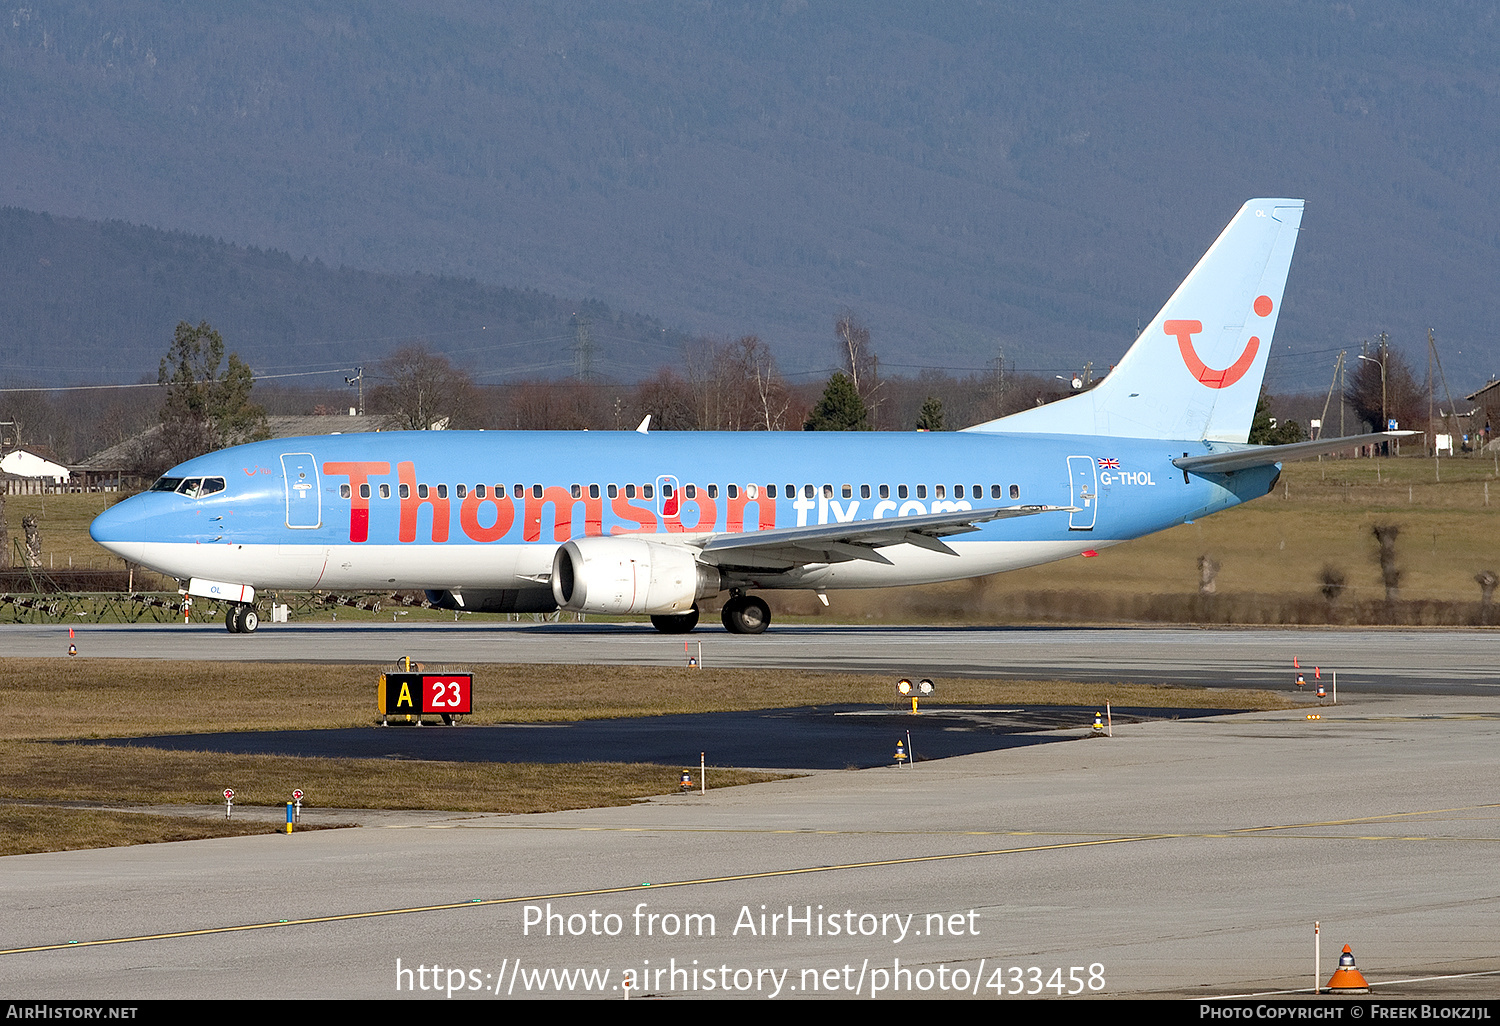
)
(641, 522)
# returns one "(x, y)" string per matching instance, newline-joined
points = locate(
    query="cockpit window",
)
(192, 487)
(166, 484)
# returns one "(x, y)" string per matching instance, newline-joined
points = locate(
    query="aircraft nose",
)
(120, 530)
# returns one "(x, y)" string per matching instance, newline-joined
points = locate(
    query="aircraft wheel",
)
(746, 614)
(676, 624)
(232, 619)
(249, 620)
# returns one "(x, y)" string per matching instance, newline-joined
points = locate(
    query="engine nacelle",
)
(629, 575)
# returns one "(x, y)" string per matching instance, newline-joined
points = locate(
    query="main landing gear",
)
(746, 614)
(743, 614)
(242, 618)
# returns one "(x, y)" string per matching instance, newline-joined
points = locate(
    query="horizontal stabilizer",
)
(1265, 455)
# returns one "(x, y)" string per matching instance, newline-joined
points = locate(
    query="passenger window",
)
(364, 491)
(421, 491)
(771, 491)
(385, 491)
(630, 491)
(713, 491)
(828, 491)
(734, 491)
(577, 491)
(666, 490)
(536, 491)
(648, 491)
(941, 493)
(847, 491)
(995, 492)
(479, 491)
(593, 491)
(864, 491)
(343, 491)
(460, 490)
(750, 491)
(885, 491)
(519, 491)
(690, 490)
(614, 491)
(1015, 491)
(921, 491)
(405, 491)
(442, 491)
(902, 492)
(978, 492)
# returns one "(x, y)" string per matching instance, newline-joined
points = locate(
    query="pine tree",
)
(931, 416)
(204, 409)
(839, 409)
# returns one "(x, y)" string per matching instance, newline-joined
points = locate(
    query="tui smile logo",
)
(1184, 331)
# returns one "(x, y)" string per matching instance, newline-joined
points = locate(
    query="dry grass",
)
(39, 771)
(81, 698)
(28, 829)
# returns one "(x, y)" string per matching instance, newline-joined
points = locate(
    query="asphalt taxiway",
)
(818, 737)
(1398, 661)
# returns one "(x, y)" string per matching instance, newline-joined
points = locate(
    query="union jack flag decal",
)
(1109, 464)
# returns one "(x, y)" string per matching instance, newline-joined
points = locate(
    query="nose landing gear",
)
(241, 619)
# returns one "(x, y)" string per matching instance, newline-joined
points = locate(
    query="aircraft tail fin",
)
(1195, 372)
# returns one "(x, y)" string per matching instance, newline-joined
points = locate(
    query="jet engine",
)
(629, 575)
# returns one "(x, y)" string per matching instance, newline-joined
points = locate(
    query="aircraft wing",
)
(786, 547)
(1265, 455)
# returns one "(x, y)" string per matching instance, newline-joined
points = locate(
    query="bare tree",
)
(860, 364)
(424, 389)
(669, 400)
(771, 395)
(1331, 582)
(1208, 573)
(1390, 573)
(1397, 397)
(736, 385)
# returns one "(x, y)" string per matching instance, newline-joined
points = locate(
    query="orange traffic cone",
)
(1347, 978)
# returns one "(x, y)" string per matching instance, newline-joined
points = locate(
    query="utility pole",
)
(583, 349)
(358, 380)
(1338, 371)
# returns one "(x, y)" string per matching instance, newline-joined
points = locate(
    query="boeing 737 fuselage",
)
(654, 522)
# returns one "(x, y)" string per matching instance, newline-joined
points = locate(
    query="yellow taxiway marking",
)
(701, 881)
(482, 902)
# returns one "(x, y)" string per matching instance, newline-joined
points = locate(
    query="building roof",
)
(1487, 388)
